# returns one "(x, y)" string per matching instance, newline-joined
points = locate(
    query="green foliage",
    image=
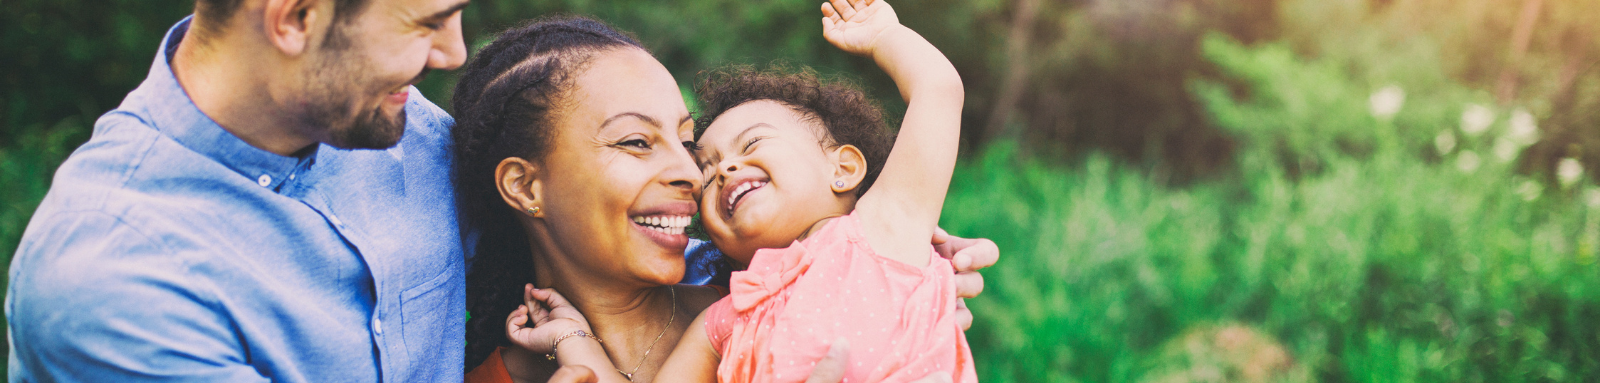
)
(1375, 261)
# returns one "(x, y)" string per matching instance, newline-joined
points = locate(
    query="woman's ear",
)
(850, 168)
(291, 24)
(519, 184)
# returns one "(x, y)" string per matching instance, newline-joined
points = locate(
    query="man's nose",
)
(449, 51)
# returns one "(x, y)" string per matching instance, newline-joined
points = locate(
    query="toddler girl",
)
(788, 161)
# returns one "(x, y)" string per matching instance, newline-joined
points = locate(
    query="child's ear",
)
(519, 184)
(850, 168)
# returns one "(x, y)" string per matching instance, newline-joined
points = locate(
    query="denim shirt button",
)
(264, 180)
(377, 325)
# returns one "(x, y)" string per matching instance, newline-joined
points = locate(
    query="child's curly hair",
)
(840, 106)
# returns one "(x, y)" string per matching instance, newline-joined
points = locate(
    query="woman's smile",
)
(664, 223)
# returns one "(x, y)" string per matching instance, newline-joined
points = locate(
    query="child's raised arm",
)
(901, 210)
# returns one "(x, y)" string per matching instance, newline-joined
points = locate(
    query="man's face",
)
(360, 75)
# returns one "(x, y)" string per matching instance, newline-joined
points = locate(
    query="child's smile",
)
(767, 178)
(742, 187)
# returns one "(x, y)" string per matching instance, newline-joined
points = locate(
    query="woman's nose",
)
(684, 172)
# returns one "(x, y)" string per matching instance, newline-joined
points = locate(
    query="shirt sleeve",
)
(94, 300)
(705, 265)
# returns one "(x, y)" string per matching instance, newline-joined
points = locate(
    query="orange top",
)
(784, 311)
(493, 370)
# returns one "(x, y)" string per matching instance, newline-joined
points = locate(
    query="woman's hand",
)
(855, 25)
(967, 256)
(544, 316)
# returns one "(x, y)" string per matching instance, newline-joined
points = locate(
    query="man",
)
(272, 203)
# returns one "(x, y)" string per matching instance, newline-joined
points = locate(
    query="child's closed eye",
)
(751, 143)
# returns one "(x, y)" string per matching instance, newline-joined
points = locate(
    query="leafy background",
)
(1183, 190)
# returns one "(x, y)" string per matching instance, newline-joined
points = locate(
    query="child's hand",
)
(855, 25)
(544, 316)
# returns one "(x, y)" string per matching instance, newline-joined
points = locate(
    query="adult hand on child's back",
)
(855, 25)
(967, 256)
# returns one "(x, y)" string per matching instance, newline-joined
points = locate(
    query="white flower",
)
(1594, 197)
(1524, 129)
(1467, 161)
(1387, 101)
(1445, 142)
(1568, 171)
(1530, 190)
(1506, 149)
(1476, 119)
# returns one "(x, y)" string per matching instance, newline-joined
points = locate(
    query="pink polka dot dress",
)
(783, 312)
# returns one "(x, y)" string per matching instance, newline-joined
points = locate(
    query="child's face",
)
(768, 178)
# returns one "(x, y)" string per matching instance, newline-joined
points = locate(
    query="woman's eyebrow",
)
(647, 119)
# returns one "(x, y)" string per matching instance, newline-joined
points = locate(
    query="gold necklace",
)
(674, 315)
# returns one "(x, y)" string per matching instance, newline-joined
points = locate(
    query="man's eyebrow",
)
(641, 117)
(445, 14)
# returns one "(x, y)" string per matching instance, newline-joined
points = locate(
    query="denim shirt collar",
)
(175, 115)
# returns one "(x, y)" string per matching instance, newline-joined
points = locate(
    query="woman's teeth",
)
(668, 224)
(743, 188)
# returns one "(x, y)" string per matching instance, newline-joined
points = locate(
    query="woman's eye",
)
(637, 143)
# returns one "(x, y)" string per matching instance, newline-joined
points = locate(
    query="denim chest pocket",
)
(432, 315)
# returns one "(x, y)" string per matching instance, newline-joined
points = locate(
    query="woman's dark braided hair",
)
(503, 104)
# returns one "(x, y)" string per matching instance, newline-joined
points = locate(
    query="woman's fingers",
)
(966, 256)
(969, 284)
(979, 254)
(963, 315)
(574, 374)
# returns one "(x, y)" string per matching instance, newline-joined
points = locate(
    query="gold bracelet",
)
(557, 342)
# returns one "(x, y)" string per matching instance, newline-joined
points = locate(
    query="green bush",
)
(1344, 235)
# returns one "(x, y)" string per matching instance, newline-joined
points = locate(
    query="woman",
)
(572, 167)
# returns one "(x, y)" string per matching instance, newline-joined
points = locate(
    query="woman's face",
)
(618, 182)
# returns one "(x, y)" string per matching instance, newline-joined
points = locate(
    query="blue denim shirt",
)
(170, 250)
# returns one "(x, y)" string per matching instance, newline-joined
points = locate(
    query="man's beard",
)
(335, 90)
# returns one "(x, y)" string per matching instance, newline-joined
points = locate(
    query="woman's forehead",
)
(628, 83)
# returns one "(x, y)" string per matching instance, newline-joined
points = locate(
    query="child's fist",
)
(856, 25)
(543, 316)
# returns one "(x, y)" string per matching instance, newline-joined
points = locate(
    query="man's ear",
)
(519, 184)
(291, 25)
(850, 168)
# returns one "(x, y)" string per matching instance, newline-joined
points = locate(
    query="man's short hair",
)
(213, 14)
